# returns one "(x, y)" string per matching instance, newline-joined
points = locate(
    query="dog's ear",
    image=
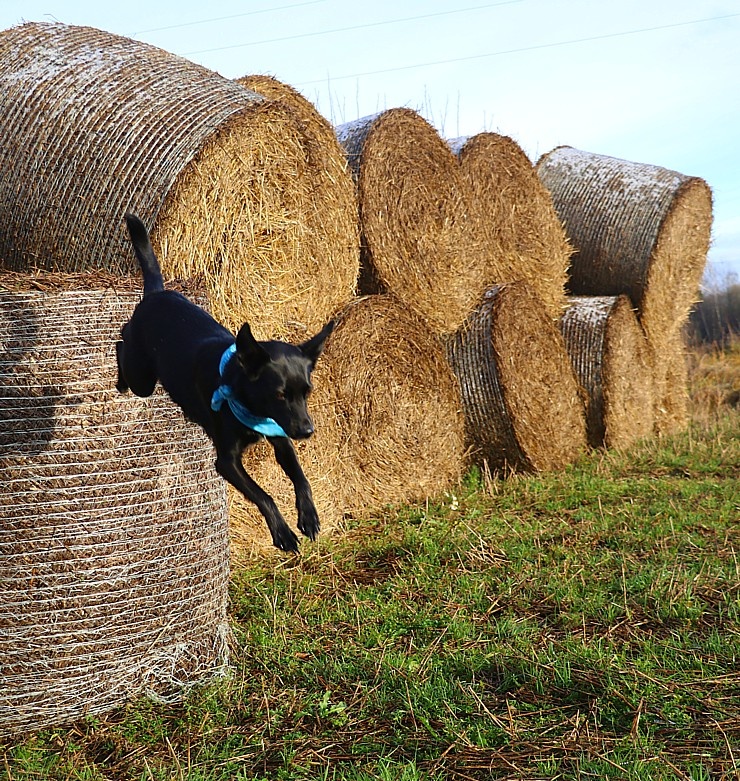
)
(313, 348)
(250, 352)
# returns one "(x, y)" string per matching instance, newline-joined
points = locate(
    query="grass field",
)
(580, 625)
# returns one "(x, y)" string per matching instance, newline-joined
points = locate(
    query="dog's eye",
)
(280, 395)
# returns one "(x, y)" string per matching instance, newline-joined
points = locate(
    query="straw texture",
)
(388, 417)
(611, 358)
(93, 125)
(415, 216)
(637, 229)
(113, 530)
(671, 375)
(521, 233)
(523, 409)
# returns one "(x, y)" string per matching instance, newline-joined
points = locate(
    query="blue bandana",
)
(265, 426)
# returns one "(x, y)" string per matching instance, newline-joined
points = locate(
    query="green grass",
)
(581, 625)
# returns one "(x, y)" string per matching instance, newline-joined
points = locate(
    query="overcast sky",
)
(654, 81)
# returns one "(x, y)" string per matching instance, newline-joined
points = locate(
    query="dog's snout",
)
(304, 429)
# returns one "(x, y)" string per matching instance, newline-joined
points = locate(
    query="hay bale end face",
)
(521, 232)
(395, 405)
(389, 425)
(113, 531)
(671, 377)
(93, 125)
(415, 213)
(523, 408)
(610, 354)
(331, 238)
(641, 230)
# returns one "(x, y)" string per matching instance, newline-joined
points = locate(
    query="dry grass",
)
(713, 380)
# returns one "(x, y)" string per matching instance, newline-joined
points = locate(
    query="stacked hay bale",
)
(610, 355)
(523, 407)
(639, 230)
(94, 125)
(415, 216)
(113, 529)
(331, 234)
(429, 239)
(388, 417)
(521, 232)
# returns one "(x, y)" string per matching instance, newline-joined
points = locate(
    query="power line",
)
(517, 51)
(226, 18)
(353, 27)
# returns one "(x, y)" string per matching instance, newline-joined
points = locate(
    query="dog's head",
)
(273, 379)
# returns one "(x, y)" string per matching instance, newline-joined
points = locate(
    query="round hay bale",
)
(415, 217)
(93, 125)
(523, 408)
(389, 425)
(609, 352)
(113, 530)
(333, 187)
(521, 231)
(671, 377)
(637, 229)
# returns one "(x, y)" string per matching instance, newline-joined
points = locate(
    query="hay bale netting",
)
(610, 354)
(521, 231)
(415, 217)
(522, 402)
(389, 424)
(113, 529)
(93, 125)
(636, 229)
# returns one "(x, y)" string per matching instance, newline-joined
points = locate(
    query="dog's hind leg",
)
(308, 518)
(132, 375)
(229, 466)
(121, 384)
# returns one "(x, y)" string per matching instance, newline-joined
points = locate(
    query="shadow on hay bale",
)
(113, 531)
(415, 217)
(637, 229)
(389, 424)
(521, 232)
(610, 354)
(523, 408)
(93, 125)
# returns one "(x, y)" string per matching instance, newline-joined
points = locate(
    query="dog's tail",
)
(153, 281)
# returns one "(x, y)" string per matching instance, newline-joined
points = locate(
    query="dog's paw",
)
(308, 521)
(285, 540)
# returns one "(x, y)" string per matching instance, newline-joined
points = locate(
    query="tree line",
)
(716, 317)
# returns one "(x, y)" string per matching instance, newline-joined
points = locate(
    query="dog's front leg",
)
(230, 467)
(308, 518)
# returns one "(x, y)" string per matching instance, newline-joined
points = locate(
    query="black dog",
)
(238, 390)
